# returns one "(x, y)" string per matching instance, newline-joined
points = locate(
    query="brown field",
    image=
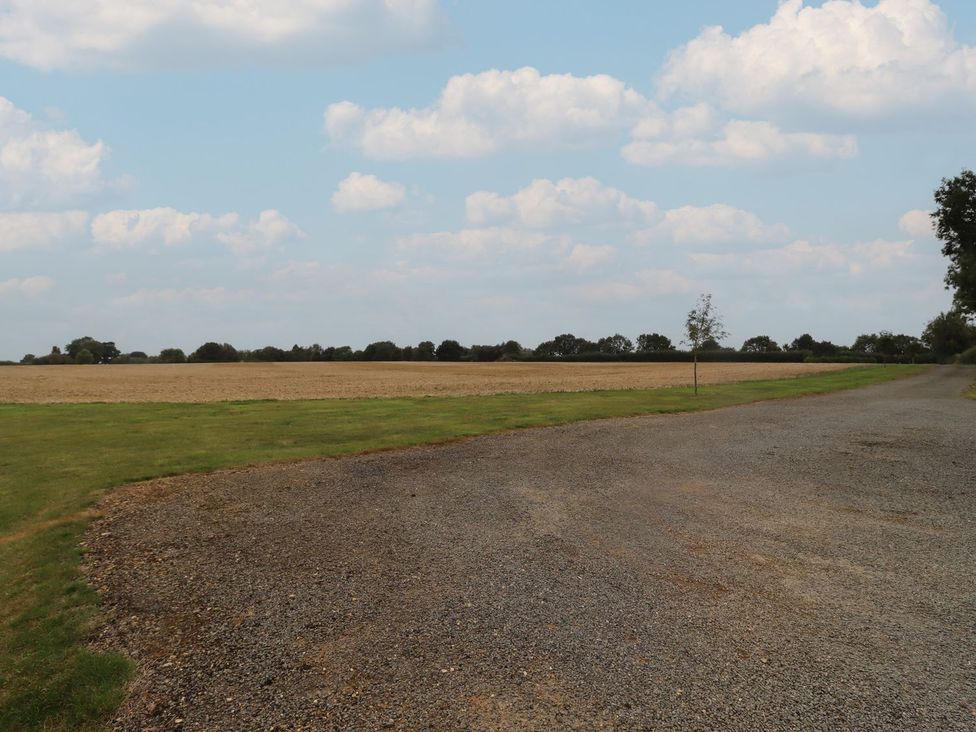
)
(330, 380)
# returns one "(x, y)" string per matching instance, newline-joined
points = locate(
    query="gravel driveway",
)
(803, 564)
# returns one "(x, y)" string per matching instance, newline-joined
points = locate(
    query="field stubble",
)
(334, 380)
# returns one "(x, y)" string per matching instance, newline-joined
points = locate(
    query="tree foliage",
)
(760, 344)
(101, 352)
(213, 352)
(449, 350)
(704, 326)
(948, 334)
(955, 226)
(653, 342)
(615, 345)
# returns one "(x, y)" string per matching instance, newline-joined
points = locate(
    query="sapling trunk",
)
(695, 358)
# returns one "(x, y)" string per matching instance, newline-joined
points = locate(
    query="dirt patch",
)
(721, 570)
(239, 381)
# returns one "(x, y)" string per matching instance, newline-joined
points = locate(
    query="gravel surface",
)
(212, 382)
(805, 564)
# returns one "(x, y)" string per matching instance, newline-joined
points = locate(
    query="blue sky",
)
(343, 171)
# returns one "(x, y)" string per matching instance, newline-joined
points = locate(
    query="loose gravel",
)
(805, 564)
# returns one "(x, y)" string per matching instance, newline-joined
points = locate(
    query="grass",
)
(56, 461)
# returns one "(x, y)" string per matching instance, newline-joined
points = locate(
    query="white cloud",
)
(358, 192)
(169, 296)
(126, 34)
(477, 114)
(583, 257)
(270, 230)
(645, 283)
(809, 257)
(35, 230)
(715, 224)
(841, 56)
(917, 223)
(571, 200)
(736, 142)
(472, 243)
(133, 229)
(28, 286)
(41, 166)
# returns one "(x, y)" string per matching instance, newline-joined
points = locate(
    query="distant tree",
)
(948, 334)
(710, 344)
(382, 351)
(485, 353)
(653, 342)
(565, 345)
(54, 358)
(702, 326)
(171, 355)
(865, 343)
(955, 226)
(139, 355)
(268, 353)
(424, 351)
(511, 349)
(212, 352)
(449, 350)
(804, 343)
(615, 345)
(84, 356)
(102, 352)
(760, 344)
(28, 359)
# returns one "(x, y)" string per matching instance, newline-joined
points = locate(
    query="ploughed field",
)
(330, 380)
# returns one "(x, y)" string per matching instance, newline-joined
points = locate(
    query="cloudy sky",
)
(344, 171)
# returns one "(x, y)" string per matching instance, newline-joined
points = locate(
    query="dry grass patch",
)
(331, 380)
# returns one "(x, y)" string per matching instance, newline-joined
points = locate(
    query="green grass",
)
(56, 461)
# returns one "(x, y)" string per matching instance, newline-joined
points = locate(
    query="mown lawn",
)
(56, 461)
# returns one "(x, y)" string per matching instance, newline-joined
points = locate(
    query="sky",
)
(271, 172)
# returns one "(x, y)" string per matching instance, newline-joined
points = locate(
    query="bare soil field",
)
(331, 380)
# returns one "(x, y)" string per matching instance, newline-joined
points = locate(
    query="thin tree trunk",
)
(695, 354)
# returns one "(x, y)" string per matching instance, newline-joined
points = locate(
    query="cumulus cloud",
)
(471, 243)
(126, 34)
(27, 286)
(809, 257)
(45, 167)
(478, 114)
(583, 257)
(270, 230)
(36, 230)
(715, 224)
(735, 142)
(571, 200)
(134, 229)
(842, 56)
(917, 223)
(359, 192)
(168, 296)
(645, 283)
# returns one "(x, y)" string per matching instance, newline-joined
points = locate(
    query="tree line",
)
(948, 334)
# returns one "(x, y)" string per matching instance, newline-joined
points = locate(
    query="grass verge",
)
(57, 460)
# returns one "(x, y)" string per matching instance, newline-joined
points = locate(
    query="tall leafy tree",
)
(703, 326)
(955, 225)
(653, 342)
(760, 344)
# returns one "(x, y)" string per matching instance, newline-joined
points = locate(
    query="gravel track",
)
(803, 564)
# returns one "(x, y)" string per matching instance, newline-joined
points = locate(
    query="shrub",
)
(968, 356)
